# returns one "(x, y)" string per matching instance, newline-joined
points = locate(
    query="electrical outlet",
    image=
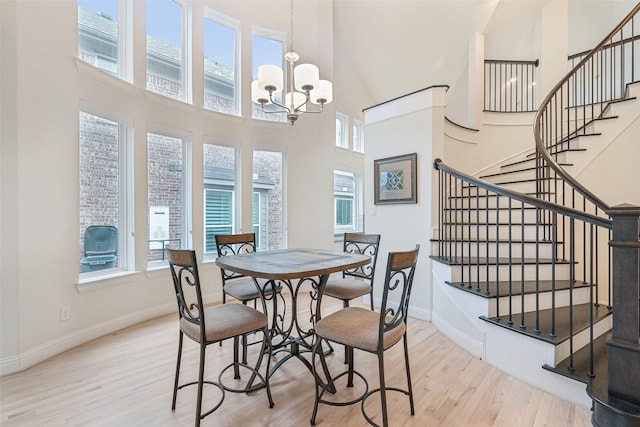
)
(65, 313)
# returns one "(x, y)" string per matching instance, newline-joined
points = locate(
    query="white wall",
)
(411, 124)
(43, 86)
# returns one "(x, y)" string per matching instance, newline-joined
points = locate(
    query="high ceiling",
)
(398, 46)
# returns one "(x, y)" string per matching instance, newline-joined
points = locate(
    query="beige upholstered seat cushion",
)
(244, 289)
(357, 327)
(225, 321)
(347, 288)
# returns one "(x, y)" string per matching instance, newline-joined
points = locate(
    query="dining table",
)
(296, 270)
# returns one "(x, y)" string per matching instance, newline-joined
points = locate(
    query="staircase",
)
(523, 264)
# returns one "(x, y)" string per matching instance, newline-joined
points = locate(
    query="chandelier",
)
(304, 86)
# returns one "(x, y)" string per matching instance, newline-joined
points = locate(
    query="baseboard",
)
(29, 358)
(473, 346)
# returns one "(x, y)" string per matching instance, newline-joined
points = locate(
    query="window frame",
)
(186, 54)
(186, 228)
(276, 36)
(358, 136)
(222, 185)
(126, 196)
(342, 141)
(124, 43)
(357, 203)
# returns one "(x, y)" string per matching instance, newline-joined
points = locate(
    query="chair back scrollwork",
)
(363, 244)
(398, 282)
(186, 282)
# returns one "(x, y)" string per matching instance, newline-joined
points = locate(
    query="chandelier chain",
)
(291, 29)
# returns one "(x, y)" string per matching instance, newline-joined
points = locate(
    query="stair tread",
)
(528, 160)
(499, 260)
(581, 369)
(490, 241)
(581, 318)
(567, 150)
(490, 289)
(498, 208)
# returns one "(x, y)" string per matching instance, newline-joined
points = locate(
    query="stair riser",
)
(582, 339)
(545, 301)
(502, 250)
(502, 272)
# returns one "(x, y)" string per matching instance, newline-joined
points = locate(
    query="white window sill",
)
(105, 280)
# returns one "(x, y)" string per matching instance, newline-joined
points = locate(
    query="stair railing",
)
(598, 79)
(509, 86)
(500, 239)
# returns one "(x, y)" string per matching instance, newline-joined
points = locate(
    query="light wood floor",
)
(126, 379)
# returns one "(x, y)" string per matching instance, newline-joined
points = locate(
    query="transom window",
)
(358, 136)
(100, 35)
(268, 48)
(166, 53)
(342, 131)
(221, 77)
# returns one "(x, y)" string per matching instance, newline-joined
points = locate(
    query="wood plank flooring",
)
(126, 379)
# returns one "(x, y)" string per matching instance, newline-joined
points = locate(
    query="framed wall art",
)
(395, 179)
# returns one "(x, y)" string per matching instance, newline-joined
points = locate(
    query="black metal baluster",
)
(510, 243)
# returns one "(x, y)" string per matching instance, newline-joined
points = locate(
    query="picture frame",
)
(395, 179)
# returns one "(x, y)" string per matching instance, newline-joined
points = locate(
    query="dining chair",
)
(358, 281)
(240, 286)
(372, 332)
(208, 325)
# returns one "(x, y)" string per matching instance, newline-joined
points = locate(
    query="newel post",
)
(623, 348)
(616, 395)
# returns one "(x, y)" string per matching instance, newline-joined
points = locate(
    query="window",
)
(220, 63)
(166, 63)
(342, 131)
(358, 136)
(347, 203)
(219, 194)
(99, 35)
(268, 49)
(168, 181)
(268, 199)
(104, 196)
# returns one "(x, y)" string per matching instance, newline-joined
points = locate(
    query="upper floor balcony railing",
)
(509, 86)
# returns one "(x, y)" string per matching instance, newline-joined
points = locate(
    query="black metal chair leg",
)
(383, 391)
(349, 353)
(236, 368)
(409, 388)
(318, 345)
(175, 382)
(200, 385)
